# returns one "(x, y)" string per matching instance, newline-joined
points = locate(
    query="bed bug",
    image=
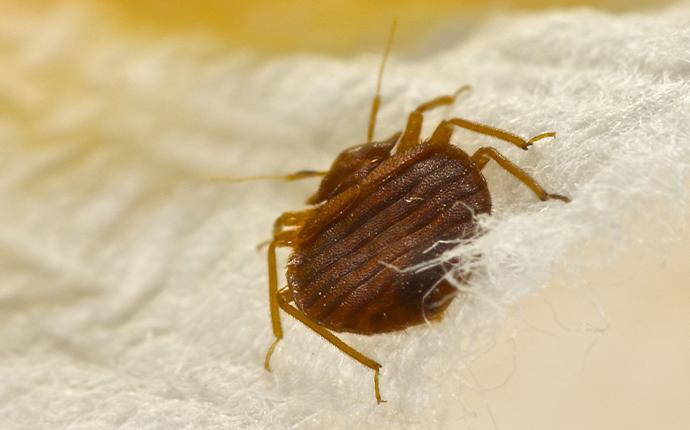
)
(381, 204)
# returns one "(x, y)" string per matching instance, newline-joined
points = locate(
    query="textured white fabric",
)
(131, 294)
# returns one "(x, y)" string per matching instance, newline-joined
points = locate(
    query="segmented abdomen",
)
(352, 275)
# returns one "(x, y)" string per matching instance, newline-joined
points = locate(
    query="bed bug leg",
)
(335, 341)
(287, 219)
(377, 392)
(291, 219)
(442, 100)
(441, 135)
(498, 133)
(283, 239)
(487, 153)
(281, 300)
(413, 129)
(286, 295)
(269, 353)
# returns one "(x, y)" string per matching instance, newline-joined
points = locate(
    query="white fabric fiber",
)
(132, 296)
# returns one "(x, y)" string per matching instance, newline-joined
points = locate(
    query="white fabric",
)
(131, 294)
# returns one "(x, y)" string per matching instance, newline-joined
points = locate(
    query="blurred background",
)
(609, 360)
(329, 27)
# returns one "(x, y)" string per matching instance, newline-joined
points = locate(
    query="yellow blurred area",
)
(334, 27)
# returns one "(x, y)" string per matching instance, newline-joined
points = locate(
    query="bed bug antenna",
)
(302, 174)
(377, 97)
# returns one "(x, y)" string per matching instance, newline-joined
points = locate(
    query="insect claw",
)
(462, 89)
(540, 137)
(377, 392)
(269, 353)
(558, 197)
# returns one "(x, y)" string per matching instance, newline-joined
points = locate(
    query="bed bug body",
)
(381, 208)
(340, 272)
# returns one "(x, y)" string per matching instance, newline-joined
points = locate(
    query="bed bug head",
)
(351, 166)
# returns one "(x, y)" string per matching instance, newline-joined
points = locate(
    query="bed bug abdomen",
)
(351, 275)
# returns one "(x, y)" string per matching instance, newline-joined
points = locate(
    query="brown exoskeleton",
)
(384, 204)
